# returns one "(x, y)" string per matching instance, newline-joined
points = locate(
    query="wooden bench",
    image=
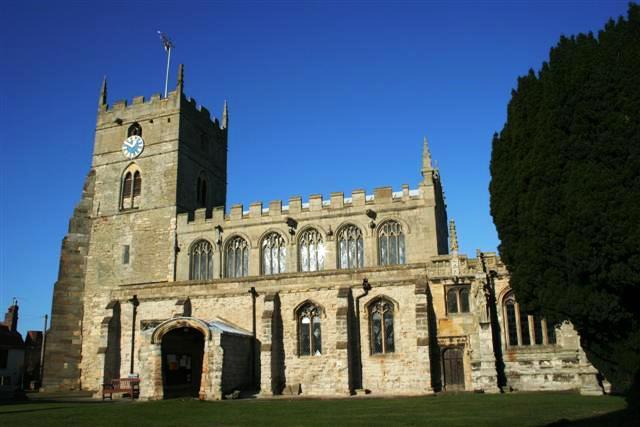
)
(121, 385)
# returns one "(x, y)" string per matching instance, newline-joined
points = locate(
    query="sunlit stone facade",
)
(358, 293)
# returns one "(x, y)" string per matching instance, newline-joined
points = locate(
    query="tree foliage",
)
(565, 192)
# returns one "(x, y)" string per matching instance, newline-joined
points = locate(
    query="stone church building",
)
(360, 293)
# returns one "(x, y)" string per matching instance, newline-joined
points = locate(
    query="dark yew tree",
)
(565, 193)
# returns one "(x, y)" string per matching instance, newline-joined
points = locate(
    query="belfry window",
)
(274, 254)
(237, 256)
(309, 331)
(201, 191)
(458, 299)
(131, 188)
(523, 329)
(311, 251)
(381, 326)
(350, 247)
(201, 261)
(134, 129)
(391, 244)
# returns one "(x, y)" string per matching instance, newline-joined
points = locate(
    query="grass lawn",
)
(517, 409)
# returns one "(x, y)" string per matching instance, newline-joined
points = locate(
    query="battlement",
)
(276, 210)
(124, 111)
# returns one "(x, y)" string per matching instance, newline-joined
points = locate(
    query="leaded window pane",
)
(384, 256)
(317, 337)
(273, 254)
(309, 331)
(381, 318)
(452, 301)
(391, 243)
(350, 247)
(464, 300)
(201, 256)
(320, 249)
(512, 326)
(237, 253)
(304, 256)
(313, 259)
(524, 329)
(352, 254)
(388, 332)
(376, 332)
(305, 342)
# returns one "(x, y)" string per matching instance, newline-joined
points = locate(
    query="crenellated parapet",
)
(383, 199)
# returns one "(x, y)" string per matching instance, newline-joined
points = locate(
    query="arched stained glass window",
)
(523, 329)
(274, 254)
(201, 261)
(350, 247)
(309, 331)
(391, 244)
(381, 326)
(237, 257)
(311, 251)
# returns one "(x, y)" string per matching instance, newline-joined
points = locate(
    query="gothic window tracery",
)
(350, 247)
(309, 330)
(201, 261)
(274, 254)
(311, 251)
(522, 329)
(391, 244)
(237, 257)
(131, 188)
(381, 326)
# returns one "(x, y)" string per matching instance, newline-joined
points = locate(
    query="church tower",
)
(152, 159)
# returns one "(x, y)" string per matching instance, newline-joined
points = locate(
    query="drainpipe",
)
(135, 303)
(254, 295)
(366, 287)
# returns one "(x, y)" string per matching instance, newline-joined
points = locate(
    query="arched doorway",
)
(453, 369)
(182, 352)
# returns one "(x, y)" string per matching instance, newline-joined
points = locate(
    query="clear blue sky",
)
(324, 96)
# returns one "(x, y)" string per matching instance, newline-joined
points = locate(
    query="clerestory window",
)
(274, 254)
(201, 261)
(311, 251)
(350, 247)
(237, 257)
(391, 244)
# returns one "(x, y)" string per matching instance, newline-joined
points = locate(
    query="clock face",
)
(132, 146)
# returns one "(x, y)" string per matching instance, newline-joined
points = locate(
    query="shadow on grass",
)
(622, 418)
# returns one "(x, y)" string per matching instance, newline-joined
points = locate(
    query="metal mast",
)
(168, 45)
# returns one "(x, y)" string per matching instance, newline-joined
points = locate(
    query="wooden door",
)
(453, 369)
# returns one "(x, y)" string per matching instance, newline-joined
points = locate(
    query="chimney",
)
(11, 318)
